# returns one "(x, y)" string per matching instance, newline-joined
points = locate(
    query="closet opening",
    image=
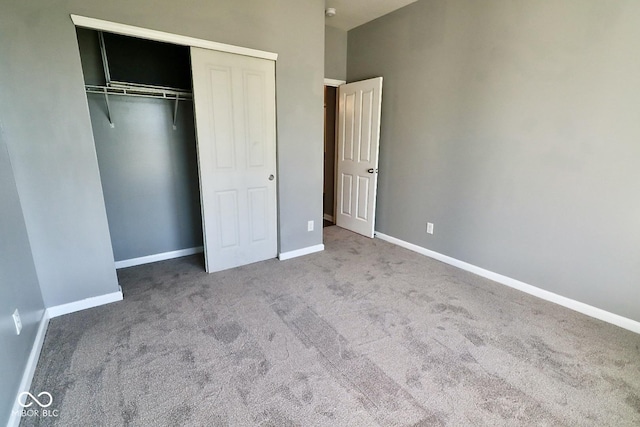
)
(330, 143)
(139, 94)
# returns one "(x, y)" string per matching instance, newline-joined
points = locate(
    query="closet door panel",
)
(254, 101)
(221, 122)
(228, 219)
(258, 209)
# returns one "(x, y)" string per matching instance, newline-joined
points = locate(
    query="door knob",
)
(371, 170)
(271, 177)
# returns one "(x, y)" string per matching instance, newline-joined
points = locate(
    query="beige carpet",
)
(364, 333)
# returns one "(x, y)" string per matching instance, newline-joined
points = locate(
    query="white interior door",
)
(234, 99)
(357, 159)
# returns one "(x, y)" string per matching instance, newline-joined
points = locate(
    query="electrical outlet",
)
(17, 321)
(430, 228)
(310, 226)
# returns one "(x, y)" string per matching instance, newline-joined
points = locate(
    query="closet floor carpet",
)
(364, 333)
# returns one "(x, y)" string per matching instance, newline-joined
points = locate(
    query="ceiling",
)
(352, 13)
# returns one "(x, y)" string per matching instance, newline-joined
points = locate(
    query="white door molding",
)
(161, 36)
(333, 82)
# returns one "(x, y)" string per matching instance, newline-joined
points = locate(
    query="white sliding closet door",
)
(234, 98)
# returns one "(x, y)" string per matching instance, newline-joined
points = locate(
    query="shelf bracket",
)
(106, 100)
(107, 75)
(175, 112)
(105, 62)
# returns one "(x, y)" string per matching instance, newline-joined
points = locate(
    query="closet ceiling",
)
(352, 13)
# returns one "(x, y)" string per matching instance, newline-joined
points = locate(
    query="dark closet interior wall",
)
(329, 148)
(148, 170)
(134, 60)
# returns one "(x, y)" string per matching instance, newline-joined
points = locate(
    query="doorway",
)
(330, 133)
(356, 144)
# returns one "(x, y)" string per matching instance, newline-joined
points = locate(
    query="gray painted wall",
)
(18, 288)
(49, 135)
(513, 126)
(335, 53)
(149, 175)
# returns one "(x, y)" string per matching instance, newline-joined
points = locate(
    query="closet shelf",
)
(140, 91)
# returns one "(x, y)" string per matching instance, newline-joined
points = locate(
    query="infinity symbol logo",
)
(42, 405)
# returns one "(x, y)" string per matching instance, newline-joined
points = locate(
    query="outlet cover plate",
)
(430, 228)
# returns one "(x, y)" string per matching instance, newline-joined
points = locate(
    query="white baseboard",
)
(158, 257)
(30, 369)
(578, 306)
(328, 217)
(72, 307)
(300, 252)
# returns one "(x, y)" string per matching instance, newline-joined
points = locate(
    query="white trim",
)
(158, 257)
(29, 369)
(130, 30)
(300, 252)
(333, 82)
(72, 307)
(578, 306)
(328, 217)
